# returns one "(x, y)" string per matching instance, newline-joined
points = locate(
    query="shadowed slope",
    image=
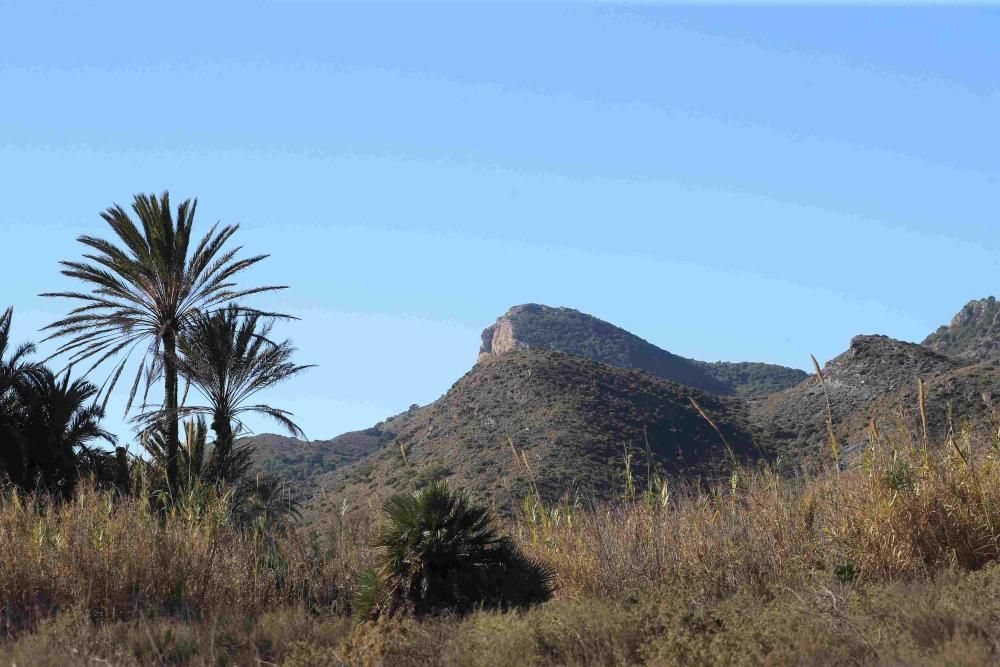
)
(572, 417)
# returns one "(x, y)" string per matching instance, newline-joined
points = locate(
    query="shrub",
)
(439, 552)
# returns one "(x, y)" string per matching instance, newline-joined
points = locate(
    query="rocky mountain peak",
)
(537, 326)
(878, 364)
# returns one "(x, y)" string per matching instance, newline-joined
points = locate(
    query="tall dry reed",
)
(119, 558)
(899, 510)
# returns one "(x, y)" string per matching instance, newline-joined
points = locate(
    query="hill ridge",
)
(571, 331)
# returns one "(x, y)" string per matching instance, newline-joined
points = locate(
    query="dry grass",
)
(901, 511)
(117, 558)
(952, 619)
(894, 561)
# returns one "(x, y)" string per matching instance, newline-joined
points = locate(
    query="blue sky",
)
(729, 183)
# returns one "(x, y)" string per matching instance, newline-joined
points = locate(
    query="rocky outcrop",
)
(878, 364)
(973, 334)
(874, 377)
(499, 338)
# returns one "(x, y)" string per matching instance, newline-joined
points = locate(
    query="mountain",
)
(974, 334)
(572, 417)
(534, 326)
(573, 394)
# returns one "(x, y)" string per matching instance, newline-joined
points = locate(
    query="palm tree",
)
(143, 292)
(14, 369)
(228, 356)
(15, 374)
(60, 420)
(439, 552)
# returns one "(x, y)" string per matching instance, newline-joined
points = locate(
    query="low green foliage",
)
(439, 552)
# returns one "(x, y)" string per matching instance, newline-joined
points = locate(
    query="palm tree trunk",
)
(170, 407)
(223, 443)
(122, 477)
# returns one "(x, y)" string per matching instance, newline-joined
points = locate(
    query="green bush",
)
(439, 552)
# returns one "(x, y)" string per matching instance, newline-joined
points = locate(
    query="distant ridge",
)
(567, 330)
(304, 462)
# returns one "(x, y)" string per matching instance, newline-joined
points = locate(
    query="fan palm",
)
(439, 551)
(228, 356)
(143, 292)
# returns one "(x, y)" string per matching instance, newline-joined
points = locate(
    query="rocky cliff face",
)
(974, 334)
(500, 338)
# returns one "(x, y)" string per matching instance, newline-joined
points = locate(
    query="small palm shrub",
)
(440, 552)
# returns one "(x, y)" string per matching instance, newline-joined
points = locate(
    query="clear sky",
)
(738, 184)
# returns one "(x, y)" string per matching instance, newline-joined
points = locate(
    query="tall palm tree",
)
(60, 420)
(228, 356)
(143, 292)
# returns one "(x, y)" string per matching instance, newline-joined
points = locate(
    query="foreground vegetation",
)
(891, 561)
(184, 556)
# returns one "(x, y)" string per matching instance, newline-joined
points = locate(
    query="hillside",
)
(876, 377)
(750, 379)
(572, 417)
(524, 327)
(304, 462)
(973, 334)
(573, 332)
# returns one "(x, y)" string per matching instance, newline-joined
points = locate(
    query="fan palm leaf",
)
(440, 552)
